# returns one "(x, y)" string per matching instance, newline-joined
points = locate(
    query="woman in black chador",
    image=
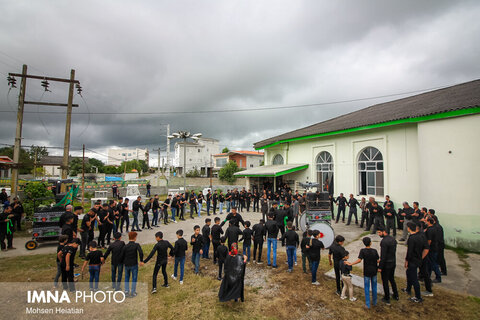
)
(232, 283)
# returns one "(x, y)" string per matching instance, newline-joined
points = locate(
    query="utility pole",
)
(211, 169)
(184, 164)
(18, 133)
(168, 153)
(35, 165)
(83, 175)
(22, 103)
(66, 143)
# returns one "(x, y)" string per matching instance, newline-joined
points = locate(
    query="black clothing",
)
(247, 237)
(234, 219)
(416, 243)
(388, 251)
(272, 229)
(206, 234)
(432, 236)
(291, 238)
(344, 268)
(137, 205)
(303, 245)
(314, 250)
(116, 248)
(259, 231)
(222, 253)
(94, 257)
(337, 252)
(181, 246)
(233, 282)
(198, 243)
(161, 247)
(370, 258)
(231, 234)
(131, 252)
(216, 232)
(68, 231)
(342, 201)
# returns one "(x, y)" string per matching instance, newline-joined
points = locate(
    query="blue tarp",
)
(113, 179)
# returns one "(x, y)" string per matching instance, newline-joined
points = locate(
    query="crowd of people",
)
(277, 224)
(10, 219)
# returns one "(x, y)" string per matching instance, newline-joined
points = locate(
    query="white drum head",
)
(303, 222)
(327, 236)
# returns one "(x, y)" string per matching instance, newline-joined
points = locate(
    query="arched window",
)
(325, 171)
(370, 172)
(278, 159)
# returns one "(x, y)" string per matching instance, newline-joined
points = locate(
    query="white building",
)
(199, 155)
(423, 148)
(117, 156)
(244, 159)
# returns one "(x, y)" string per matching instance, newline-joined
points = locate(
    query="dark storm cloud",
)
(153, 56)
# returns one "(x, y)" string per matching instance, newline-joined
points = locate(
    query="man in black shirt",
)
(130, 257)
(148, 206)
(221, 201)
(247, 240)
(256, 200)
(234, 217)
(337, 252)
(222, 253)
(209, 200)
(386, 266)
(155, 207)
(86, 230)
(292, 241)
(102, 219)
(166, 204)
(116, 248)
(280, 218)
(264, 206)
(405, 217)
(67, 264)
(390, 217)
(417, 251)
(441, 243)
(125, 215)
(259, 233)
(206, 238)
(179, 250)
(136, 206)
(432, 237)
(161, 248)
(341, 202)
(6, 228)
(378, 221)
(352, 204)
(214, 203)
(248, 199)
(272, 234)
(18, 212)
(216, 234)
(193, 204)
(67, 228)
(63, 217)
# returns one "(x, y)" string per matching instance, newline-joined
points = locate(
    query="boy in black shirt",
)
(95, 260)
(197, 243)
(216, 233)
(258, 233)
(206, 238)
(370, 262)
(130, 256)
(247, 240)
(387, 264)
(67, 258)
(272, 234)
(222, 253)
(303, 245)
(116, 249)
(161, 248)
(292, 242)
(62, 241)
(433, 240)
(179, 252)
(346, 269)
(337, 252)
(314, 248)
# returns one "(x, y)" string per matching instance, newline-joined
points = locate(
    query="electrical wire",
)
(258, 108)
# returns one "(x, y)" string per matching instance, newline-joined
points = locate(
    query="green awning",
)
(271, 171)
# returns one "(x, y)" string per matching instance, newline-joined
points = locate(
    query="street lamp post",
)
(184, 135)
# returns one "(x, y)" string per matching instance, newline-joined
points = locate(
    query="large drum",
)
(327, 236)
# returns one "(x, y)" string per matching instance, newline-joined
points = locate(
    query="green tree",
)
(227, 172)
(139, 165)
(36, 194)
(96, 163)
(225, 150)
(75, 167)
(112, 169)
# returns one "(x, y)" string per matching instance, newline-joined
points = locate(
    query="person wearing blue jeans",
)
(179, 261)
(314, 247)
(197, 243)
(116, 248)
(314, 268)
(117, 272)
(174, 212)
(132, 253)
(292, 241)
(135, 221)
(179, 250)
(94, 259)
(370, 257)
(272, 234)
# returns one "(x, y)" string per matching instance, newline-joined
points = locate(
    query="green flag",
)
(68, 199)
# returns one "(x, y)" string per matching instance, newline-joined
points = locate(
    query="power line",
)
(258, 108)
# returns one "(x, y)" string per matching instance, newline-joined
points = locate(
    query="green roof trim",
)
(277, 174)
(443, 115)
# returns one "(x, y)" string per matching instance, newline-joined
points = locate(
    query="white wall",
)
(116, 156)
(253, 160)
(450, 175)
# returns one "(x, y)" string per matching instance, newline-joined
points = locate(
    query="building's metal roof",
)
(271, 171)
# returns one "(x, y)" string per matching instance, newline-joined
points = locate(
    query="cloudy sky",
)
(142, 63)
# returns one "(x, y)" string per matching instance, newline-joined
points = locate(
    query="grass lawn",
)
(269, 294)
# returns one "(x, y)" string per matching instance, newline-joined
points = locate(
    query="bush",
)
(193, 173)
(226, 173)
(34, 192)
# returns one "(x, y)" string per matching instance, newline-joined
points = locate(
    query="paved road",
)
(458, 278)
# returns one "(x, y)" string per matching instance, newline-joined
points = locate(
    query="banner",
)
(68, 199)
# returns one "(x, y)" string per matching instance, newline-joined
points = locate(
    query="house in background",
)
(5, 167)
(244, 159)
(198, 156)
(117, 155)
(422, 148)
(52, 165)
